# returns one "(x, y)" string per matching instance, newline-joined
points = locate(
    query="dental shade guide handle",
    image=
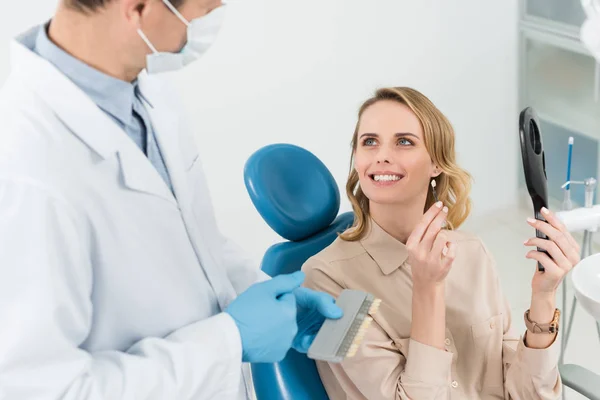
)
(534, 167)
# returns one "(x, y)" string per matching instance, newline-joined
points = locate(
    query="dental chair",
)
(298, 198)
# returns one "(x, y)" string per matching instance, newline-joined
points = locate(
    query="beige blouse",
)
(484, 357)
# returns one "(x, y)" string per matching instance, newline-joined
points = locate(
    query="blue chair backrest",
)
(298, 198)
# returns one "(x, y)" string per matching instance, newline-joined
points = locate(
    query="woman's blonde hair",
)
(452, 185)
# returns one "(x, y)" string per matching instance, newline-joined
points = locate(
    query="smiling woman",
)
(444, 329)
(400, 143)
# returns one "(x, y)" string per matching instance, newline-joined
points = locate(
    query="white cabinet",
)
(561, 81)
(567, 14)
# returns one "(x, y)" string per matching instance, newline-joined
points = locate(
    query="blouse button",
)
(454, 384)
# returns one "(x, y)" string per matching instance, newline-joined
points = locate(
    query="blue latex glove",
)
(265, 315)
(313, 308)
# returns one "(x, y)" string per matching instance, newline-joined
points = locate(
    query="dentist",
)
(115, 282)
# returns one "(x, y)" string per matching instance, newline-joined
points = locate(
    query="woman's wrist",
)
(429, 314)
(542, 307)
(541, 311)
(427, 290)
(429, 299)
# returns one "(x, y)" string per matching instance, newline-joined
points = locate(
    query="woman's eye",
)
(369, 142)
(404, 142)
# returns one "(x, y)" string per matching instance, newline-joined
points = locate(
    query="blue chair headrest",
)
(292, 190)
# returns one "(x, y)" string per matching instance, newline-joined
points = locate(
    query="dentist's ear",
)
(134, 10)
(436, 172)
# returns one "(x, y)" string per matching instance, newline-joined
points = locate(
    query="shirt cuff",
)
(234, 339)
(539, 362)
(428, 364)
(222, 329)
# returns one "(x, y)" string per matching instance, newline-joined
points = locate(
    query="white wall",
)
(297, 71)
(17, 16)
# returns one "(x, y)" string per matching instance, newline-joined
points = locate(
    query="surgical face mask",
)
(201, 34)
(590, 30)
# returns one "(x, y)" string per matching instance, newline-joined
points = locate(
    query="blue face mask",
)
(201, 34)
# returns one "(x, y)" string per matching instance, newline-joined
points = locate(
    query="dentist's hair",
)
(93, 5)
(453, 185)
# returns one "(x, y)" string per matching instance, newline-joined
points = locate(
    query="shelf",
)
(558, 77)
(577, 121)
(560, 15)
(560, 87)
(585, 157)
(538, 35)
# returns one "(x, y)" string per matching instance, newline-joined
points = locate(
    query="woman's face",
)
(391, 160)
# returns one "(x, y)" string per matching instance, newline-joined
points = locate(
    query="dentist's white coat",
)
(101, 269)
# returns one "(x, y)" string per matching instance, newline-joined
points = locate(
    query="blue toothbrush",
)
(571, 140)
(567, 205)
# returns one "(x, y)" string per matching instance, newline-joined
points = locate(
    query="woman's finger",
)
(450, 255)
(558, 237)
(546, 261)
(553, 220)
(433, 230)
(417, 234)
(555, 252)
(440, 242)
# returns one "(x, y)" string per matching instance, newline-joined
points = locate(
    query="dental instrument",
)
(585, 219)
(534, 166)
(567, 205)
(341, 338)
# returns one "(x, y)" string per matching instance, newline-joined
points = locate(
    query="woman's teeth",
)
(386, 177)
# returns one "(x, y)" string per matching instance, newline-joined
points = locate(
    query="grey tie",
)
(149, 143)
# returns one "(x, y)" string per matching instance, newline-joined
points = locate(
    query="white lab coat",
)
(101, 269)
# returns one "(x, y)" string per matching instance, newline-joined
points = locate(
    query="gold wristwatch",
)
(549, 328)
